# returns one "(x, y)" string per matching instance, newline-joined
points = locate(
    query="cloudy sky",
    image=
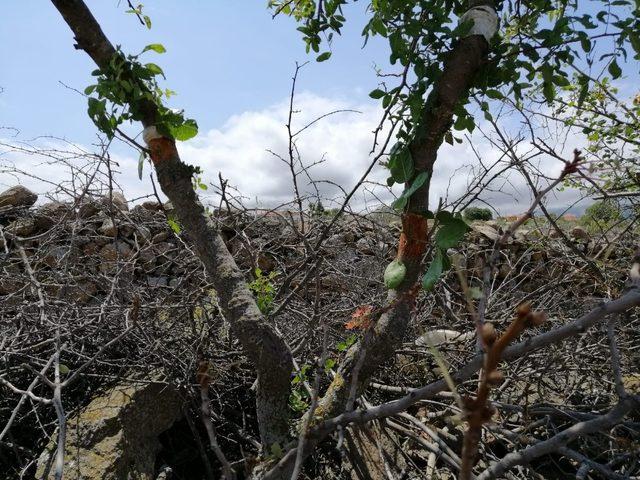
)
(231, 66)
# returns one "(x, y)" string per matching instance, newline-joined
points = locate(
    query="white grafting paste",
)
(150, 133)
(485, 21)
(442, 336)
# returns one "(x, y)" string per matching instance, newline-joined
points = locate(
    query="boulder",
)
(116, 436)
(485, 230)
(143, 234)
(580, 233)
(82, 292)
(364, 246)
(49, 214)
(151, 206)
(117, 200)
(108, 228)
(22, 227)
(113, 255)
(88, 208)
(17, 196)
(160, 237)
(57, 255)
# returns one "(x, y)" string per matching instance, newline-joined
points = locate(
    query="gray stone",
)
(580, 233)
(108, 228)
(17, 196)
(57, 254)
(143, 234)
(365, 246)
(485, 230)
(157, 281)
(116, 436)
(22, 227)
(49, 214)
(160, 237)
(88, 208)
(117, 200)
(152, 206)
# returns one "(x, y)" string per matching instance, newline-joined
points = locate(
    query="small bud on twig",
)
(524, 309)
(495, 378)
(537, 318)
(489, 333)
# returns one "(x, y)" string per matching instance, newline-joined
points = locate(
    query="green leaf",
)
(323, 57)
(584, 90)
(175, 226)
(494, 94)
(614, 69)
(377, 93)
(634, 39)
(402, 200)
(400, 163)
(548, 91)
(96, 106)
(153, 69)
(329, 364)
(63, 369)
(585, 42)
(451, 232)
(448, 137)
(444, 216)
(184, 131)
(475, 293)
(342, 346)
(89, 90)
(147, 21)
(156, 47)
(433, 273)
(276, 450)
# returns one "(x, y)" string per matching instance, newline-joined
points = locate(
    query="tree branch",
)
(264, 347)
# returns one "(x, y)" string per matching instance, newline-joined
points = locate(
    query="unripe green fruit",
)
(394, 274)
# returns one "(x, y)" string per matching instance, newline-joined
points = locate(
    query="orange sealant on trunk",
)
(413, 239)
(162, 149)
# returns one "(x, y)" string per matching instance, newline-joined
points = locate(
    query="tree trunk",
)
(265, 348)
(460, 68)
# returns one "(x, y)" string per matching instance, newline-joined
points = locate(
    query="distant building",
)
(569, 217)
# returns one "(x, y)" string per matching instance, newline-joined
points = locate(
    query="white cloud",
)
(239, 150)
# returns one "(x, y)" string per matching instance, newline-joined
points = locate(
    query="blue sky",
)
(231, 66)
(222, 59)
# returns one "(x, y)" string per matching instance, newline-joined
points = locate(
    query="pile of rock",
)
(88, 240)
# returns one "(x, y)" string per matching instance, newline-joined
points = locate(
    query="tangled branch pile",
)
(116, 299)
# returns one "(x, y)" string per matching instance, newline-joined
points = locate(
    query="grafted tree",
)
(266, 349)
(450, 55)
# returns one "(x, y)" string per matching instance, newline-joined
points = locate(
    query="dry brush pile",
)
(110, 295)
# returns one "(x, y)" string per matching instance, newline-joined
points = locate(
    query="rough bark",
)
(264, 347)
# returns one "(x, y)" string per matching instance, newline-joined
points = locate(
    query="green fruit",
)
(394, 274)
